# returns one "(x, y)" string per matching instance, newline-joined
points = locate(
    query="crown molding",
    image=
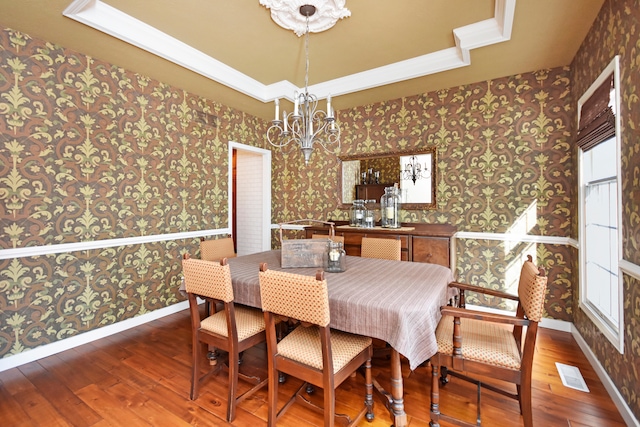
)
(107, 19)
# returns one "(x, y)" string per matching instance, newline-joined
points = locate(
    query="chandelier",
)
(307, 125)
(414, 170)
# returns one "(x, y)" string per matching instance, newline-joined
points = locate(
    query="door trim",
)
(266, 189)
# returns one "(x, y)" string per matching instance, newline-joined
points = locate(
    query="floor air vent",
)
(571, 377)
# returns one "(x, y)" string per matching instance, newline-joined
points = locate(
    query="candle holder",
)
(335, 259)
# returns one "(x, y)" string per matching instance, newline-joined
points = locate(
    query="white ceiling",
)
(232, 52)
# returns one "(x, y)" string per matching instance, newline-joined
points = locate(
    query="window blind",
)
(597, 119)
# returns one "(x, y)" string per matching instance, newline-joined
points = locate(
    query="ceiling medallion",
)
(286, 13)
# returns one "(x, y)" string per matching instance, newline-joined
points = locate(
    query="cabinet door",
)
(352, 242)
(434, 250)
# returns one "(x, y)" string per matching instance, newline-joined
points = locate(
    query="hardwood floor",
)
(141, 377)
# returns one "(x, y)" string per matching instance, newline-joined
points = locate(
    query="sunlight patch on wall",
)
(521, 226)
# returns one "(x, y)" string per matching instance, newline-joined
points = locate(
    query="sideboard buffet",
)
(430, 243)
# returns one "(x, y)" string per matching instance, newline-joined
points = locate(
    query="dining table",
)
(395, 301)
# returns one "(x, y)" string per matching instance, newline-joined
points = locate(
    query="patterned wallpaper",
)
(615, 32)
(504, 164)
(90, 151)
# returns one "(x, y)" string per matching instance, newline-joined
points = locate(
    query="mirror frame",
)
(406, 206)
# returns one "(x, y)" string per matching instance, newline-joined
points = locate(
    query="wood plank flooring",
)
(141, 377)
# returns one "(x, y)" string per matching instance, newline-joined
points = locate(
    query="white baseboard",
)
(86, 337)
(615, 395)
(556, 325)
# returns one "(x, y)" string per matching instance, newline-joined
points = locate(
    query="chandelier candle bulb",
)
(284, 119)
(329, 114)
(277, 109)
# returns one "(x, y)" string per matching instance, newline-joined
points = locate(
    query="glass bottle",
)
(390, 205)
(368, 214)
(357, 214)
(335, 259)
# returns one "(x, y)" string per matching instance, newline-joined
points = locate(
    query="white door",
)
(252, 198)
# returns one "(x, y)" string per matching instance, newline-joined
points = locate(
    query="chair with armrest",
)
(232, 329)
(312, 352)
(216, 249)
(490, 345)
(381, 248)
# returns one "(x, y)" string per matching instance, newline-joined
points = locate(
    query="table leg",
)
(397, 402)
(394, 401)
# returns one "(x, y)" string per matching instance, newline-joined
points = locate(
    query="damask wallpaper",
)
(89, 152)
(504, 165)
(616, 32)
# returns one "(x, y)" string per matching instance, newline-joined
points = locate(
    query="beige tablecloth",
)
(395, 301)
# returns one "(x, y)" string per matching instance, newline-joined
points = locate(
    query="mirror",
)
(366, 176)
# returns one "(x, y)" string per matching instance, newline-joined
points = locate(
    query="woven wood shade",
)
(597, 119)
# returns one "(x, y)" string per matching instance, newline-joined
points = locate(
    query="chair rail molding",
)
(630, 268)
(108, 243)
(509, 237)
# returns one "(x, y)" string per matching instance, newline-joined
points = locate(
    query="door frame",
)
(266, 189)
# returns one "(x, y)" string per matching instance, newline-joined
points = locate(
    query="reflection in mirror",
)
(415, 178)
(415, 172)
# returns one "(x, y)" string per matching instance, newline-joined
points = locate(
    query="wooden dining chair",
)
(490, 345)
(381, 248)
(232, 329)
(312, 352)
(216, 249)
(336, 239)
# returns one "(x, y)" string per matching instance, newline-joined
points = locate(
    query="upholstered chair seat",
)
(483, 342)
(303, 345)
(248, 323)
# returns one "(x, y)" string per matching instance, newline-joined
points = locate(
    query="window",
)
(599, 210)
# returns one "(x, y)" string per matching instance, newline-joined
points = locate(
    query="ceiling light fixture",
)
(306, 125)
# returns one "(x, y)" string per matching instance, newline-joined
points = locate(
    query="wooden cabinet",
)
(371, 191)
(434, 250)
(431, 243)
